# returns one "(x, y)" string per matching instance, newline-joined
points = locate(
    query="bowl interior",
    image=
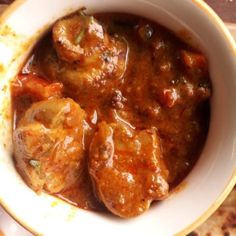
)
(211, 175)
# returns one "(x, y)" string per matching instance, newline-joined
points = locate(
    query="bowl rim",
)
(229, 186)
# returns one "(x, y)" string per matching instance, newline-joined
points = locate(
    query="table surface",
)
(226, 9)
(223, 222)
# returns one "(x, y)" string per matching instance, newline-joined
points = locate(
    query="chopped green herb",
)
(82, 13)
(92, 19)
(36, 164)
(146, 32)
(80, 36)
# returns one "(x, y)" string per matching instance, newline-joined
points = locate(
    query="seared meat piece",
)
(86, 56)
(48, 145)
(127, 169)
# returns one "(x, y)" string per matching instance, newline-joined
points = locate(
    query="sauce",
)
(165, 85)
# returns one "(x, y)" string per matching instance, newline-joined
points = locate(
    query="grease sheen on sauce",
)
(166, 85)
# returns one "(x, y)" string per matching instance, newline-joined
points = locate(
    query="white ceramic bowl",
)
(214, 174)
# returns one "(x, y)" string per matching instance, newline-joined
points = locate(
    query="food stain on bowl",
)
(54, 203)
(8, 41)
(13, 47)
(71, 215)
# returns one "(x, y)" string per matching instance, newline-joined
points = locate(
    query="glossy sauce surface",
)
(165, 86)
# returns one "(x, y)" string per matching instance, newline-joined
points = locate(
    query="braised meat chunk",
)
(87, 57)
(48, 145)
(127, 168)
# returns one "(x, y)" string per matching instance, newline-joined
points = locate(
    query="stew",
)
(111, 112)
